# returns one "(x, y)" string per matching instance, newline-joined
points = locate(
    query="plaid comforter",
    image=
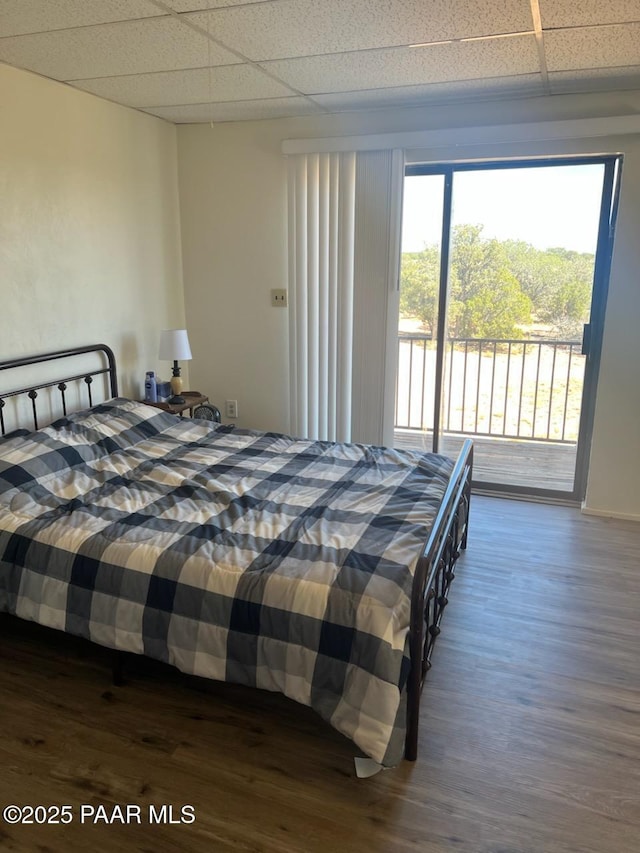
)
(250, 557)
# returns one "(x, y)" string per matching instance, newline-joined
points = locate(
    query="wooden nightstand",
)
(191, 400)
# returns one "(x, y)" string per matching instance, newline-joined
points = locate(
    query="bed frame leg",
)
(411, 738)
(117, 666)
(416, 645)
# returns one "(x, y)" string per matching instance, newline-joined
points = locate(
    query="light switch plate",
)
(279, 298)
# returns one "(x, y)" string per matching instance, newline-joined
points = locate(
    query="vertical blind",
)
(376, 299)
(321, 200)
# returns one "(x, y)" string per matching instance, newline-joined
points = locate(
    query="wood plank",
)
(530, 731)
(513, 462)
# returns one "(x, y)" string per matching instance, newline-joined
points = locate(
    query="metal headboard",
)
(32, 390)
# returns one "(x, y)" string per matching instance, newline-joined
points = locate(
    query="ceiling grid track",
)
(539, 34)
(241, 56)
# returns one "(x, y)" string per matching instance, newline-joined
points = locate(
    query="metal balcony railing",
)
(527, 389)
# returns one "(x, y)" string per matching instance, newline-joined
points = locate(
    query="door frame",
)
(602, 267)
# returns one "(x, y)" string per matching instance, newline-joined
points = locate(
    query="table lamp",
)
(174, 346)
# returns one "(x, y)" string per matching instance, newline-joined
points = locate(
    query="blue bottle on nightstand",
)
(150, 391)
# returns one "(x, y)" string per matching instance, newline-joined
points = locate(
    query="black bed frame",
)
(435, 567)
(61, 384)
(431, 581)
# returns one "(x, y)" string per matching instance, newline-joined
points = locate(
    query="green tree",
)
(538, 273)
(486, 299)
(558, 281)
(498, 286)
(569, 307)
(419, 282)
(494, 312)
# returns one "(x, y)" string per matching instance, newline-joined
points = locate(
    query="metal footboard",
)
(433, 576)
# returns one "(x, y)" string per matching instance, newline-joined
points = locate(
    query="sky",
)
(546, 206)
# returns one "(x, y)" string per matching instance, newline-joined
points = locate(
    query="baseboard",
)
(605, 513)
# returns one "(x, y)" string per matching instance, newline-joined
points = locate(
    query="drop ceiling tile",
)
(18, 17)
(571, 13)
(290, 28)
(593, 47)
(409, 66)
(194, 86)
(595, 80)
(236, 110)
(195, 5)
(132, 47)
(524, 85)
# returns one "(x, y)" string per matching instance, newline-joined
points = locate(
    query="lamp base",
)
(176, 386)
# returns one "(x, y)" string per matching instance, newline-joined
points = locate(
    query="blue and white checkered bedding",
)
(257, 558)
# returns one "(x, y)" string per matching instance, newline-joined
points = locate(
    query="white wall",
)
(89, 225)
(233, 212)
(614, 481)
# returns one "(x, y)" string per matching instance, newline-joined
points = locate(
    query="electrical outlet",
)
(231, 408)
(279, 298)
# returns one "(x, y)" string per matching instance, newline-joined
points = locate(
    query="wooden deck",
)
(513, 462)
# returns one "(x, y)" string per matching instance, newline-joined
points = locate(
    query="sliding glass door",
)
(420, 291)
(503, 286)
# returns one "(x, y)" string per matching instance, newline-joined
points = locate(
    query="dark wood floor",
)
(513, 462)
(530, 738)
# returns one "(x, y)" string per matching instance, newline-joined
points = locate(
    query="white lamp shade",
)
(174, 345)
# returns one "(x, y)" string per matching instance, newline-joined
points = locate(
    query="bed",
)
(316, 569)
